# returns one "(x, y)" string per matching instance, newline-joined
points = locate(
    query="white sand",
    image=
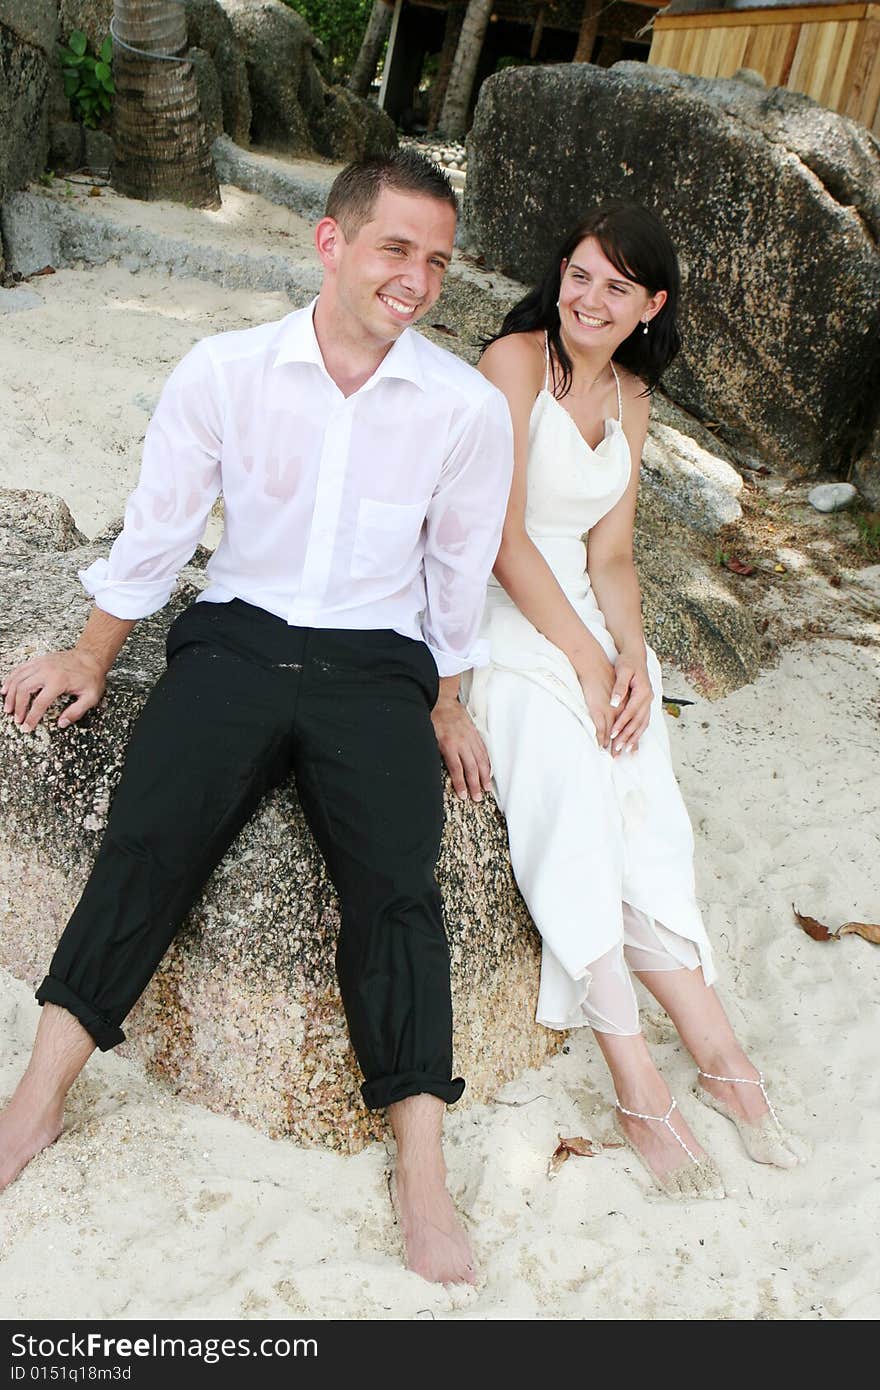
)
(152, 1208)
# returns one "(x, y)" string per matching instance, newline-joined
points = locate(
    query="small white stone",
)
(832, 497)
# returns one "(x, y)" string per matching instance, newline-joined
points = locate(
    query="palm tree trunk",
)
(588, 31)
(453, 119)
(451, 33)
(161, 149)
(364, 69)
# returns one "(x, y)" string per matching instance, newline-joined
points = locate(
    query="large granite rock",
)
(293, 110)
(773, 202)
(691, 615)
(209, 29)
(28, 30)
(90, 17)
(244, 1014)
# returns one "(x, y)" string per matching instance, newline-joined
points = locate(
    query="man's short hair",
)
(355, 190)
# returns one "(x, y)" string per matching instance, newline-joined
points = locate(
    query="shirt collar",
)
(299, 344)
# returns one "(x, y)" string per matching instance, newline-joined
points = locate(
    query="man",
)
(365, 474)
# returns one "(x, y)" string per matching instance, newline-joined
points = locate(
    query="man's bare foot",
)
(434, 1239)
(25, 1130)
(435, 1243)
(33, 1118)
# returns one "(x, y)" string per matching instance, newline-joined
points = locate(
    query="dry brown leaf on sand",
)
(580, 1147)
(444, 329)
(738, 566)
(868, 931)
(817, 930)
(583, 1148)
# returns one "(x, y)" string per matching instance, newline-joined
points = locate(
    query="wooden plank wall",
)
(829, 52)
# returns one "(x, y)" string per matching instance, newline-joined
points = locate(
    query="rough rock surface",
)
(773, 202)
(39, 519)
(346, 127)
(292, 108)
(866, 474)
(210, 92)
(244, 1014)
(700, 488)
(90, 17)
(28, 30)
(302, 185)
(210, 30)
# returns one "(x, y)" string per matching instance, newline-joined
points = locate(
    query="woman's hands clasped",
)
(618, 697)
(631, 697)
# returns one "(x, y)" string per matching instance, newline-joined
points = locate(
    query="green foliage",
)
(340, 25)
(868, 527)
(88, 81)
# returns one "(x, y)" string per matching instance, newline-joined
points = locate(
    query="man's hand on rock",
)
(31, 688)
(464, 752)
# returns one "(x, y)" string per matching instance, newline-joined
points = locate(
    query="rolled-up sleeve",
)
(463, 532)
(179, 483)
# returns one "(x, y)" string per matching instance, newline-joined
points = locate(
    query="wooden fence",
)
(829, 52)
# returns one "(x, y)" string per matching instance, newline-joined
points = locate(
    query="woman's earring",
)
(645, 329)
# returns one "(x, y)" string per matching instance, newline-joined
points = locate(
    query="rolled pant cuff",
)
(105, 1034)
(387, 1090)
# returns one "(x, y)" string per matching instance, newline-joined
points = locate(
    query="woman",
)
(569, 707)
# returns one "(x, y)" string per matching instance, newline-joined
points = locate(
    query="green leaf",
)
(106, 50)
(102, 72)
(109, 86)
(91, 80)
(71, 84)
(69, 59)
(78, 42)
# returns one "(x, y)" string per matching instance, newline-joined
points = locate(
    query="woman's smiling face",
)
(598, 306)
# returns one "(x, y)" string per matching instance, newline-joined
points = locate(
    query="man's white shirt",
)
(382, 509)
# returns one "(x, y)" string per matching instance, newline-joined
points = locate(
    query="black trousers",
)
(245, 702)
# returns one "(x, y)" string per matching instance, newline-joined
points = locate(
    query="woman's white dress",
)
(601, 847)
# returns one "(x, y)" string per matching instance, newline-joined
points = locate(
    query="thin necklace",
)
(595, 379)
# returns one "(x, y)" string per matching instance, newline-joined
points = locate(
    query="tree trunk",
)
(161, 149)
(588, 31)
(451, 34)
(364, 69)
(453, 120)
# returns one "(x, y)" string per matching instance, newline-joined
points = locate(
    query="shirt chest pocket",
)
(386, 539)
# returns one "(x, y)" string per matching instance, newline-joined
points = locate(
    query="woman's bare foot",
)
(735, 1088)
(666, 1145)
(25, 1130)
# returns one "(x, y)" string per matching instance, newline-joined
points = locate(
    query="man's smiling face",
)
(390, 272)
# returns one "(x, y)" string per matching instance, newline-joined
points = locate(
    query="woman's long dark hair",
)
(637, 244)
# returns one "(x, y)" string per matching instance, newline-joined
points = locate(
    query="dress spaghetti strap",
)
(619, 397)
